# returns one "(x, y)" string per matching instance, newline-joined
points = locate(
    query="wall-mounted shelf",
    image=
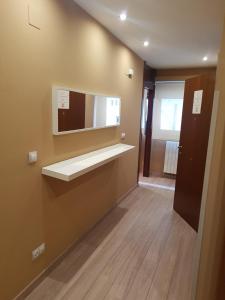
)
(72, 168)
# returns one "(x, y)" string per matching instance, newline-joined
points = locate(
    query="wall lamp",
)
(130, 73)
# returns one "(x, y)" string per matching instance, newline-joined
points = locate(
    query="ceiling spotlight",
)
(205, 58)
(146, 43)
(123, 16)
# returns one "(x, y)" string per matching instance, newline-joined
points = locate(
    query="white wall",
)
(169, 90)
(100, 111)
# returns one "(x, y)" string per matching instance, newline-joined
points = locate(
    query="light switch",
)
(32, 157)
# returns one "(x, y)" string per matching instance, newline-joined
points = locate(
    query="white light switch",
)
(32, 157)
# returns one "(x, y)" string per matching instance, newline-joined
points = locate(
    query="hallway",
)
(157, 182)
(140, 250)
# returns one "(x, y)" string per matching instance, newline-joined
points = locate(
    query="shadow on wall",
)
(56, 187)
(79, 254)
(66, 201)
(99, 136)
(74, 209)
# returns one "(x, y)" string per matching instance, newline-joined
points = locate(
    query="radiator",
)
(171, 157)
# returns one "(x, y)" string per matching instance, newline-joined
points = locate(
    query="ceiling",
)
(180, 32)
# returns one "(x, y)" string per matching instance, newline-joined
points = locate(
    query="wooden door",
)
(193, 148)
(74, 117)
(149, 83)
(148, 133)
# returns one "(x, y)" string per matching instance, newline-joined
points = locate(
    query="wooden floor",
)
(157, 182)
(141, 250)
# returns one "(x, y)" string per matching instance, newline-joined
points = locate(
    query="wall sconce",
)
(130, 73)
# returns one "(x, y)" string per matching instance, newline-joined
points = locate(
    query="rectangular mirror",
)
(78, 111)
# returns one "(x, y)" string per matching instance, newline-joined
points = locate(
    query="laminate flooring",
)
(141, 250)
(157, 182)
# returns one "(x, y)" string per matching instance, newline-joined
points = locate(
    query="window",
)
(171, 114)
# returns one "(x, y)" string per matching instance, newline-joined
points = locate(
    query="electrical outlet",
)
(38, 251)
(32, 157)
(123, 135)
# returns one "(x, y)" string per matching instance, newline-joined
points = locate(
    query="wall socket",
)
(38, 251)
(123, 135)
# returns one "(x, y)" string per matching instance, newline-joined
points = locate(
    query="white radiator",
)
(171, 157)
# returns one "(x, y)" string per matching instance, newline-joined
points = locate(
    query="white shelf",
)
(72, 168)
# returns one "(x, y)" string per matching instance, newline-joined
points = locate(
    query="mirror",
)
(78, 111)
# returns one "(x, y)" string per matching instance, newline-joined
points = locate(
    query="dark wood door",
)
(74, 117)
(149, 83)
(193, 149)
(148, 133)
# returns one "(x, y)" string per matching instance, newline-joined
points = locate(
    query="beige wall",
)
(70, 50)
(211, 258)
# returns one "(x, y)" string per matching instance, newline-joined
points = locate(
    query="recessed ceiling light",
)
(123, 16)
(205, 58)
(146, 43)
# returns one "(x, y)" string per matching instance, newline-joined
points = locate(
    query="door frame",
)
(149, 78)
(148, 132)
(209, 161)
(211, 145)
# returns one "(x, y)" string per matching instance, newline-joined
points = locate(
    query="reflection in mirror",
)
(75, 111)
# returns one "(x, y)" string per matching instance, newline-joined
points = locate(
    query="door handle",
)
(180, 149)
